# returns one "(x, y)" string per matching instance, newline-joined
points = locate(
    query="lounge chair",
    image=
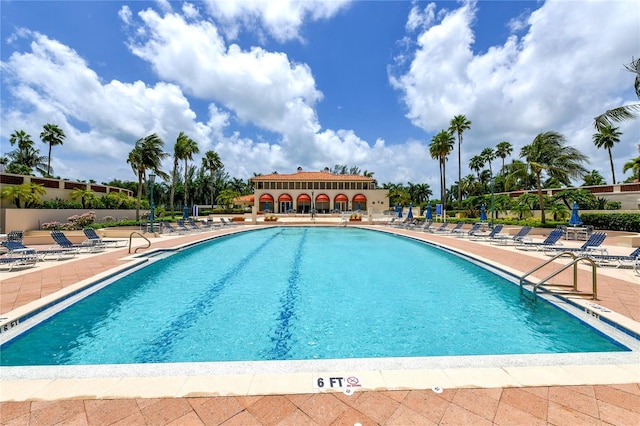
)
(441, 228)
(17, 249)
(427, 226)
(26, 260)
(551, 241)
(227, 222)
(94, 238)
(475, 228)
(62, 241)
(489, 235)
(620, 261)
(456, 229)
(589, 246)
(521, 235)
(15, 236)
(182, 225)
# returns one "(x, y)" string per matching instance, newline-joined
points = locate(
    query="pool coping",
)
(278, 377)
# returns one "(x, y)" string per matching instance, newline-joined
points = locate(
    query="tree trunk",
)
(540, 201)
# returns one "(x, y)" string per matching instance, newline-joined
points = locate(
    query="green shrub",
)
(613, 221)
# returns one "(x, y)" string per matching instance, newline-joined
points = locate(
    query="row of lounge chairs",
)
(191, 226)
(19, 255)
(551, 245)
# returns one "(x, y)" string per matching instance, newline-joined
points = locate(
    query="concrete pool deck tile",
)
(148, 387)
(540, 376)
(216, 385)
(605, 374)
(416, 379)
(270, 384)
(76, 389)
(480, 377)
(22, 390)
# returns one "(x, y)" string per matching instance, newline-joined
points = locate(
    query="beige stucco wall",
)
(32, 219)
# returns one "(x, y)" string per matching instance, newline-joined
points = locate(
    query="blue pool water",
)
(303, 293)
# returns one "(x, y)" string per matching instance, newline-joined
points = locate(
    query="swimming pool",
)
(303, 293)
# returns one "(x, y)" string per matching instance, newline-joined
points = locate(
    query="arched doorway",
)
(303, 204)
(322, 203)
(285, 203)
(265, 203)
(340, 203)
(359, 202)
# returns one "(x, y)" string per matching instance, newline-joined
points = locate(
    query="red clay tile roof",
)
(313, 176)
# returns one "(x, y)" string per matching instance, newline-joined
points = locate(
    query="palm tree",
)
(440, 147)
(549, 153)
(488, 156)
(52, 135)
(626, 112)
(593, 178)
(634, 166)
(212, 162)
(179, 153)
(458, 125)
(147, 154)
(23, 161)
(23, 139)
(187, 149)
(606, 137)
(503, 149)
(476, 164)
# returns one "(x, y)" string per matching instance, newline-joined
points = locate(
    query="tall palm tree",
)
(52, 135)
(440, 147)
(458, 125)
(212, 162)
(488, 156)
(189, 147)
(476, 164)
(179, 153)
(634, 166)
(626, 112)
(606, 137)
(147, 154)
(503, 149)
(23, 139)
(548, 153)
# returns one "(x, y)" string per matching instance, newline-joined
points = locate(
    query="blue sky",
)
(273, 85)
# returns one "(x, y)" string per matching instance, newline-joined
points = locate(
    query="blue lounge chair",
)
(16, 249)
(551, 241)
(62, 241)
(589, 246)
(94, 238)
(621, 261)
(489, 235)
(441, 228)
(521, 235)
(456, 229)
(26, 260)
(182, 226)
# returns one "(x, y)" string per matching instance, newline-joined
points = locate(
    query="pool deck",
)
(504, 390)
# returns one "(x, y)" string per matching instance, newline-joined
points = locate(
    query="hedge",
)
(613, 221)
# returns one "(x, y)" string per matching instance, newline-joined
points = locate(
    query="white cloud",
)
(564, 71)
(282, 19)
(99, 119)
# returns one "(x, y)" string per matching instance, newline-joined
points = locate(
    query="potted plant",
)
(270, 218)
(355, 218)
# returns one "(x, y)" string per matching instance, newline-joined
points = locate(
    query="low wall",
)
(32, 219)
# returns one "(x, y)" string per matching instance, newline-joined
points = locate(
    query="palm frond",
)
(619, 114)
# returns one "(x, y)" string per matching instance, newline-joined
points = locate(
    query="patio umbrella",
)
(429, 215)
(399, 210)
(410, 214)
(266, 206)
(483, 213)
(575, 218)
(358, 206)
(185, 212)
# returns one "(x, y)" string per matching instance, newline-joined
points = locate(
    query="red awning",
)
(304, 198)
(285, 197)
(266, 197)
(341, 198)
(360, 198)
(322, 198)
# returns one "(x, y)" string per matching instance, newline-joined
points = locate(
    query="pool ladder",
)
(138, 248)
(557, 288)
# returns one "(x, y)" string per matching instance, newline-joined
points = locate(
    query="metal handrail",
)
(131, 237)
(574, 263)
